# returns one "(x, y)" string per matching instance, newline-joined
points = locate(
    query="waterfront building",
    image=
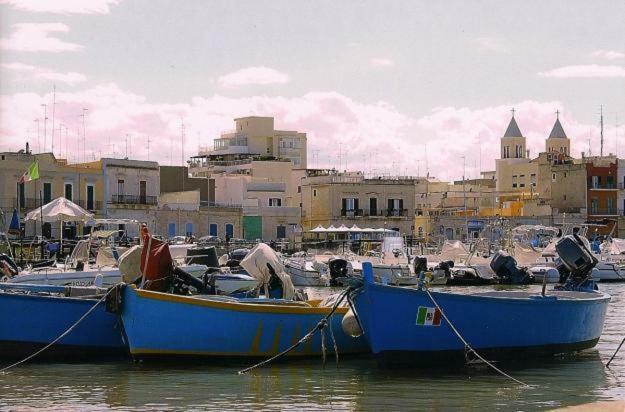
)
(332, 198)
(254, 137)
(83, 184)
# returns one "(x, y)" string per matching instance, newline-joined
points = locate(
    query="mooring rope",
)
(61, 336)
(607, 365)
(336, 348)
(320, 325)
(466, 344)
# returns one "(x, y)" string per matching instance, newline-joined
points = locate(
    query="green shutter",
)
(252, 227)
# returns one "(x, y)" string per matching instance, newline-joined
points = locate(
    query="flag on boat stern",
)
(31, 174)
(428, 316)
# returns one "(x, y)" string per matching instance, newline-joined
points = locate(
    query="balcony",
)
(96, 205)
(352, 212)
(603, 211)
(384, 213)
(395, 212)
(134, 200)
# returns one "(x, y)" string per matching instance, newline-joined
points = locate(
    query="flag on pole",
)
(31, 174)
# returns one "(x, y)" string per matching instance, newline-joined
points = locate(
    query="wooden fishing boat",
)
(161, 324)
(35, 315)
(497, 324)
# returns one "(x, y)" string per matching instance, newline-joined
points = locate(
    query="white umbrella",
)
(331, 228)
(319, 229)
(355, 229)
(342, 228)
(60, 210)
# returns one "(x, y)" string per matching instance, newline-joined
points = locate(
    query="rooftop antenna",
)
(53, 110)
(601, 154)
(45, 121)
(126, 155)
(38, 137)
(84, 135)
(182, 141)
(616, 132)
(148, 147)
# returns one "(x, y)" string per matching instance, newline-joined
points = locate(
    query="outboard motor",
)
(420, 265)
(203, 255)
(576, 261)
(507, 270)
(338, 268)
(445, 266)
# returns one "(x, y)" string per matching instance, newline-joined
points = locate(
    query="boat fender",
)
(8, 266)
(114, 302)
(350, 325)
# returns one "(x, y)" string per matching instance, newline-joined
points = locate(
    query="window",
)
(395, 207)
(275, 202)
(212, 229)
(315, 192)
(47, 192)
(142, 192)
(229, 230)
(610, 206)
(171, 229)
(594, 205)
(553, 177)
(610, 182)
(280, 231)
(373, 206)
(348, 204)
(533, 179)
(189, 229)
(299, 189)
(514, 181)
(21, 195)
(120, 190)
(90, 197)
(69, 189)
(595, 182)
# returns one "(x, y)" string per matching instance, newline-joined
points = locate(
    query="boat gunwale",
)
(598, 297)
(236, 306)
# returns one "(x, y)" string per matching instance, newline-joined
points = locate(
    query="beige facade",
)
(331, 198)
(268, 193)
(81, 183)
(253, 137)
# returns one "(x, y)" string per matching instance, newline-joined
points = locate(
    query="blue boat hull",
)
(497, 324)
(29, 322)
(162, 325)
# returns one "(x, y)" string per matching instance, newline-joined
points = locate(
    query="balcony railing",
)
(396, 212)
(602, 211)
(374, 213)
(351, 212)
(95, 205)
(134, 200)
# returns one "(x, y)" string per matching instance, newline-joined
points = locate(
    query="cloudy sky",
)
(392, 84)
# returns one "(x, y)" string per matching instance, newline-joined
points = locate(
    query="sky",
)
(385, 87)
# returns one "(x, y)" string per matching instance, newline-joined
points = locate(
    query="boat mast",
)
(601, 154)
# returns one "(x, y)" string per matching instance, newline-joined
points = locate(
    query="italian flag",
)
(31, 174)
(428, 316)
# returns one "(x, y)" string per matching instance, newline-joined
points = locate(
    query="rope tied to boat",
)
(318, 327)
(607, 365)
(61, 336)
(468, 348)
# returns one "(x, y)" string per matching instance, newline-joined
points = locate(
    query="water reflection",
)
(305, 384)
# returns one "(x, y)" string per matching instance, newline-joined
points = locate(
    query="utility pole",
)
(464, 197)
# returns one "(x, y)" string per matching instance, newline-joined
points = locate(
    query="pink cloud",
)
(589, 70)
(375, 138)
(42, 73)
(253, 76)
(35, 37)
(608, 54)
(62, 6)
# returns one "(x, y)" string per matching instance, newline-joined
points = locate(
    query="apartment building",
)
(254, 137)
(83, 184)
(332, 198)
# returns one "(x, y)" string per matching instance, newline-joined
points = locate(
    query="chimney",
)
(528, 153)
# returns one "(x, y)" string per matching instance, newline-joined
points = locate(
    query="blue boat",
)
(160, 324)
(35, 315)
(406, 325)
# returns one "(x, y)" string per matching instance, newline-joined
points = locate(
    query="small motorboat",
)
(497, 324)
(35, 315)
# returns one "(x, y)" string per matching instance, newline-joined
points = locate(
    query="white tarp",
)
(255, 263)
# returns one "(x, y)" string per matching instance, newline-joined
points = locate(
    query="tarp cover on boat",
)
(156, 263)
(255, 263)
(130, 264)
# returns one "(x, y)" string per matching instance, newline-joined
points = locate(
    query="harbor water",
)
(357, 383)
